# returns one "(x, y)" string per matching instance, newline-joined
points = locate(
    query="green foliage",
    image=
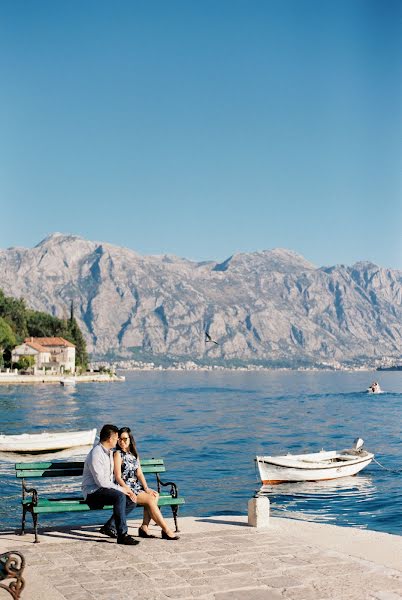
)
(14, 312)
(25, 363)
(25, 322)
(42, 324)
(7, 338)
(75, 336)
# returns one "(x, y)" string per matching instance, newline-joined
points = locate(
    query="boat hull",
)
(272, 474)
(68, 382)
(46, 442)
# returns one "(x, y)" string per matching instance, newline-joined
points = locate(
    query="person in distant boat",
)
(128, 474)
(99, 489)
(375, 387)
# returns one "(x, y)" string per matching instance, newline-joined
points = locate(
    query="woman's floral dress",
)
(129, 466)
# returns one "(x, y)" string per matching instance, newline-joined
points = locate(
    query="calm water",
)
(210, 426)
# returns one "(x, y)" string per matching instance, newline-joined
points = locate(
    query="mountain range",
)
(268, 306)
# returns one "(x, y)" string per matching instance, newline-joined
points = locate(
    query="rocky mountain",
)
(270, 305)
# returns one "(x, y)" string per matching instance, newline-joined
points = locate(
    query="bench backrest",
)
(74, 469)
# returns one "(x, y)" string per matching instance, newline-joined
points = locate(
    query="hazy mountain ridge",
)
(263, 305)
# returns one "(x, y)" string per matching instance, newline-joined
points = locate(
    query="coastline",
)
(12, 378)
(216, 558)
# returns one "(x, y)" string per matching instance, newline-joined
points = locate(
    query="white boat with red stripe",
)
(317, 466)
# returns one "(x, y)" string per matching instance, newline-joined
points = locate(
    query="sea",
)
(209, 426)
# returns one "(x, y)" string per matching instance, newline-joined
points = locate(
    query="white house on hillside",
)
(49, 352)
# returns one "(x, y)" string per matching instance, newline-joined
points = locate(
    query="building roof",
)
(49, 341)
(36, 346)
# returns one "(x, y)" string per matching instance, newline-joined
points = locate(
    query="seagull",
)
(209, 339)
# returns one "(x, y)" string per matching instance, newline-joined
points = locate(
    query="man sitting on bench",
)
(99, 488)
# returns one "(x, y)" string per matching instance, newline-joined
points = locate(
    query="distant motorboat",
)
(68, 381)
(44, 442)
(318, 466)
(374, 388)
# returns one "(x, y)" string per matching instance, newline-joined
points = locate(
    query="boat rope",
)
(386, 468)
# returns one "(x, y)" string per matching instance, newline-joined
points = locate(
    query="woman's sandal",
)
(143, 534)
(165, 536)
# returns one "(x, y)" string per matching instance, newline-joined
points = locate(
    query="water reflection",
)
(360, 484)
(344, 500)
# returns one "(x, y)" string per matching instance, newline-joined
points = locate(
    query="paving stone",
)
(228, 582)
(178, 592)
(83, 595)
(105, 591)
(192, 556)
(240, 567)
(249, 594)
(122, 574)
(69, 590)
(280, 582)
(303, 593)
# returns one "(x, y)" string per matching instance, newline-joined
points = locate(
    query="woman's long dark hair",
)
(132, 447)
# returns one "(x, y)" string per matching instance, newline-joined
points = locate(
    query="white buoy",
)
(258, 512)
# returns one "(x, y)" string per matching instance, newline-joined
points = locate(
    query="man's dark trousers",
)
(122, 506)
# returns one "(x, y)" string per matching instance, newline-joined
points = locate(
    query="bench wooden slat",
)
(49, 473)
(47, 465)
(36, 473)
(80, 505)
(41, 466)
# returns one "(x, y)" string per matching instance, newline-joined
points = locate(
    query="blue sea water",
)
(210, 425)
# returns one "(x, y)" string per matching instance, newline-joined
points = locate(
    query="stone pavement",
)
(216, 558)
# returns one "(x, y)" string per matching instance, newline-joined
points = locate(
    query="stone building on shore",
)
(50, 353)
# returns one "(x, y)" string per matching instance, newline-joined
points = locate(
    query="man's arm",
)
(100, 470)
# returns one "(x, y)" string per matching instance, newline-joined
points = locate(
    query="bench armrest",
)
(12, 564)
(32, 491)
(174, 490)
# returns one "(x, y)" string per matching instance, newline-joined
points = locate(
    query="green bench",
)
(32, 503)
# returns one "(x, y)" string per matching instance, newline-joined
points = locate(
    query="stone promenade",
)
(217, 558)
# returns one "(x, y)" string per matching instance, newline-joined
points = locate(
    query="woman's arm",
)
(141, 479)
(117, 471)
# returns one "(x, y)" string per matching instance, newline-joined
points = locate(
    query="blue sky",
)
(204, 128)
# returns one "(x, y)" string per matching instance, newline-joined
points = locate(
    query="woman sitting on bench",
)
(128, 474)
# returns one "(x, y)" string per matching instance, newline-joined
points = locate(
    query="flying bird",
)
(209, 339)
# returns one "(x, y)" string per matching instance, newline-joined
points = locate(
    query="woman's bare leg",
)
(150, 503)
(146, 519)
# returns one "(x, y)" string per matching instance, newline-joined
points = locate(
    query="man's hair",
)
(106, 432)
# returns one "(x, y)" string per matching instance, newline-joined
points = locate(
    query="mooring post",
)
(258, 512)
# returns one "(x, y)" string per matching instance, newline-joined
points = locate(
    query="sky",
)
(204, 129)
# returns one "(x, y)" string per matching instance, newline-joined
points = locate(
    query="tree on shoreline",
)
(7, 338)
(24, 322)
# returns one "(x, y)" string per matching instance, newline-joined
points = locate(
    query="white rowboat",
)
(68, 381)
(44, 442)
(318, 466)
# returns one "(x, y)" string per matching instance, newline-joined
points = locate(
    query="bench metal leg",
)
(35, 524)
(24, 514)
(174, 511)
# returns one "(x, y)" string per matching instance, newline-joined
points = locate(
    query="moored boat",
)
(68, 381)
(317, 466)
(45, 442)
